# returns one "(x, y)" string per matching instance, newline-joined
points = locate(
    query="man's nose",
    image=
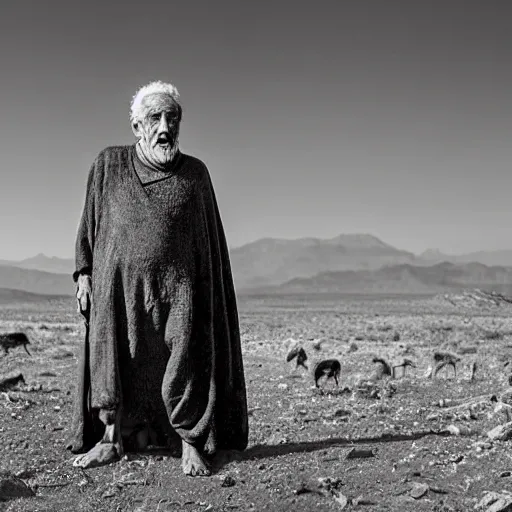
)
(164, 123)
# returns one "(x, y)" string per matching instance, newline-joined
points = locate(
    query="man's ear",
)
(136, 129)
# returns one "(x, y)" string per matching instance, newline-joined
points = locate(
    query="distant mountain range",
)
(401, 279)
(8, 296)
(35, 281)
(351, 263)
(272, 261)
(44, 263)
(501, 258)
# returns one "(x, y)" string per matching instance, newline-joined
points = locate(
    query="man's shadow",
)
(263, 451)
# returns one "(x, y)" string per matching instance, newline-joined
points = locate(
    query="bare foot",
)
(99, 455)
(142, 439)
(192, 463)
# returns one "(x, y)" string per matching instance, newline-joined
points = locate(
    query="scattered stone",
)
(340, 498)
(438, 490)
(34, 387)
(447, 402)
(357, 453)
(361, 500)
(228, 481)
(501, 432)
(418, 490)
(483, 445)
(303, 489)
(368, 389)
(502, 505)
(458, 430)
(497, 502)
(505, 409)
(12, 487)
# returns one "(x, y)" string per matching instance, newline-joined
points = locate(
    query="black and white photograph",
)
(256, 256)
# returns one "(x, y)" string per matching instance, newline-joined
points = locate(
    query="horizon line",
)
(281, 238)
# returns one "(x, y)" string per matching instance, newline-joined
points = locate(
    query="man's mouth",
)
(163, 140)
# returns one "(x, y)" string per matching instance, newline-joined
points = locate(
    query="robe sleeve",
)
(84, 245)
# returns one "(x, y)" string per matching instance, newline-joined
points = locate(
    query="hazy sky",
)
(314, 118)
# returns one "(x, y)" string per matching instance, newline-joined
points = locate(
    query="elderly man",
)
(162, 354)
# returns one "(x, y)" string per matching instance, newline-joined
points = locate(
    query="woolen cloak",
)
(163, 336)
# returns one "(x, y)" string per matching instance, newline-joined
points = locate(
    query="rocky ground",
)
(409, 443)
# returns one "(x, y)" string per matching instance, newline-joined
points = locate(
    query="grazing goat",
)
(384, 368)
(300, 354)
(328, 368)
(404, 364)
(9, 382)
(13, 340)
(443, 359)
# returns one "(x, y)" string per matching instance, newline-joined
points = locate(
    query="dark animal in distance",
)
(328, 368)
(385, 368)
(404, 364)
(9, 382)
(443, 359)
(300, 354)
(473, 369)
(12, 340)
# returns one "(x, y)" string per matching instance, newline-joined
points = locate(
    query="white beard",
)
(157, 158)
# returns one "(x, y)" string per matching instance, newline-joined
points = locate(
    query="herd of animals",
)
(331, 368)
(325, 368)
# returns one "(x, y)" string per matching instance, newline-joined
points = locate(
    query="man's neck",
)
(141, 153)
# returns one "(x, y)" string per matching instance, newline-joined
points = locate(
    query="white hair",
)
(151, 88)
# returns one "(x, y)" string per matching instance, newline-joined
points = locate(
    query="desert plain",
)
(409, 443)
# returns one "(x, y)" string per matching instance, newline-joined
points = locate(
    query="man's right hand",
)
(84, 293)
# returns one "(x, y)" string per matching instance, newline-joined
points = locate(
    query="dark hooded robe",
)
(162, 338)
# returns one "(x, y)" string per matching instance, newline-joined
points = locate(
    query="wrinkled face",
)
(158, 128)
